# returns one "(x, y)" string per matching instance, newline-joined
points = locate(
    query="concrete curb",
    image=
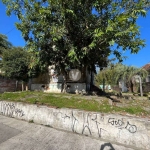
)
(126, 130)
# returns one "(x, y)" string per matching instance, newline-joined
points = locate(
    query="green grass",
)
(31, 121)
(75, 102)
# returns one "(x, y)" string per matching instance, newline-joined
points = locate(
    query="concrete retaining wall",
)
(122, 129)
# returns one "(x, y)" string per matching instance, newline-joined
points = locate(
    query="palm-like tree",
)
(121, 72)
(126, 74)
(4, 44)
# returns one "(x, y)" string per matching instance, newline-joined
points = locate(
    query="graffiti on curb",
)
(86, 123)
(120, 124)
(99, 129)
(9, 109)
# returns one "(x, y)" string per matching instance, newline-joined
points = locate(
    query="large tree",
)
(79, 33)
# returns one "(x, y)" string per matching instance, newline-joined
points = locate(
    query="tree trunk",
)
(29, 83)
(16, 85)
(141, 91)
(65, 84)
(103, 85)
(26, 87)
(22, 86)
(131, 87)
(91, 80)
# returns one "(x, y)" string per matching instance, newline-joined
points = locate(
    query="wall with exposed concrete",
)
(9, 85)
(122, 129)
(146, 87)
(57, 87)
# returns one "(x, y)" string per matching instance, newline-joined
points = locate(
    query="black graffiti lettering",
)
(19, 112)
(119, 123)
(131, 128)
(10, 110)
(97, 125)
(111, 121)
(66, 116)
(86, 125)
(71, 116)
(74, 121)
(62, 116)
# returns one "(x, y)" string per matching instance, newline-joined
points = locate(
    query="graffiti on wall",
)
(9, 109)
(120, 124)
(97, 122)
(86, 123)
(88, 119)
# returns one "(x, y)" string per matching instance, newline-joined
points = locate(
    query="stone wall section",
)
(8, 85)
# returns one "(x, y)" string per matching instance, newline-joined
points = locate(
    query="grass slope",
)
(88, 103)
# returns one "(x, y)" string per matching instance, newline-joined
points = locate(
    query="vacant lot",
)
(138, 107)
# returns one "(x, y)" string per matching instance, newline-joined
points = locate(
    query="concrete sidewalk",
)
(21, 135)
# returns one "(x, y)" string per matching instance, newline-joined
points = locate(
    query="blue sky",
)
(7, 27)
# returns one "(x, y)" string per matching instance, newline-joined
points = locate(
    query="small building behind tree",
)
(77, 80)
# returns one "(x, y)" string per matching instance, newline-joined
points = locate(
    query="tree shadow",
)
(108, 145)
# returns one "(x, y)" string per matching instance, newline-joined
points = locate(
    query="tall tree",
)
(79, 33)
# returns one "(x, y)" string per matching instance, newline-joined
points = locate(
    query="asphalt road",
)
(20, 135)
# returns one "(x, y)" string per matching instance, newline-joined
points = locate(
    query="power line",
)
(10, 30)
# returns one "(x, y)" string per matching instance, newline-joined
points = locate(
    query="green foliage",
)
(15, 63)
(31, 121)
(77, 32)
(4, 44)
(114, 73)
(34, 64)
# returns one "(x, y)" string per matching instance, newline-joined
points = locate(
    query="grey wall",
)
(122, 129)
(9, 85)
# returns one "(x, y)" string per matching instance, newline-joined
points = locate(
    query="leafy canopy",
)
(15, 63)
(79, 33)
